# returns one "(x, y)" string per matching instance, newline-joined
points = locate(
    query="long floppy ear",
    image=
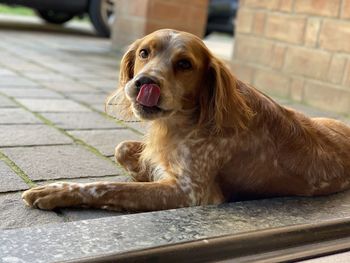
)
(121, 106)
(222, 106)
(127, 64)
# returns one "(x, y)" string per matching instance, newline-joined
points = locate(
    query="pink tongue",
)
(148, 95)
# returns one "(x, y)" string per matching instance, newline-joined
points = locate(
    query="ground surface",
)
(53, 83)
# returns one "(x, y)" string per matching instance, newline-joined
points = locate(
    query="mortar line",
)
(17, 170)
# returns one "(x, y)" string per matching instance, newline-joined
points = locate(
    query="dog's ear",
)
(117, 104)
(127, 64)
(222, 106)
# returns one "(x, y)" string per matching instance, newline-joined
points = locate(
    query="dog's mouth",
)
(147, 102)
(148, 95)
(147, 109)
(149, 113)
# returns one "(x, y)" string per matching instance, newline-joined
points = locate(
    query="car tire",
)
(54, 17)
(99, 15)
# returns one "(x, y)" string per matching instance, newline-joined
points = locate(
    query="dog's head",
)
(171, 74)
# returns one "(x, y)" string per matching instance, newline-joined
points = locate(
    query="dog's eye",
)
(184, 64)
(143, 53)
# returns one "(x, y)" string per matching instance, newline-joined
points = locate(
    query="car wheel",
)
(54, 17)
(101, 13)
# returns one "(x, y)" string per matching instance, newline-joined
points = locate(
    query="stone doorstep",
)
(89, 239)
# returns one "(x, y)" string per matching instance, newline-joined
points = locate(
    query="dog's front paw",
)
(49, 196)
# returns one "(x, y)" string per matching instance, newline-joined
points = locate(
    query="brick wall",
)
(298, 49)
(137, 18)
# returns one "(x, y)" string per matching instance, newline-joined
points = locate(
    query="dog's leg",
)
(134, 196)
(127, 154)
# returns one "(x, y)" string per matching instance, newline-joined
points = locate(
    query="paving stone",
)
(9, 180)
(81, 120)
(53, 105)
(141, 127)
(27, 135)
(98, 83)
(47, 76)
(69, 87)
(30, 93)
(90, 98)
(6, 102)
(17, 116)
(105, 140)
(14, 213)
(9, 81)
(98, 107)
(59, 162)
(7, 72)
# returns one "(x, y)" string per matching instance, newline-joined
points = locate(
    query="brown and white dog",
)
(212, 138)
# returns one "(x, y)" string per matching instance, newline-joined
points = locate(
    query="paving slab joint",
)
(17, 170)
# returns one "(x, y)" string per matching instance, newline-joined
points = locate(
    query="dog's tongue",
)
(148, 95)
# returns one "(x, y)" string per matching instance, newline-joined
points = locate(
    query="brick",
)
(14, 214)
(252, 49)
(285, 5)
(9, 180)
(317, 7)
(307, 62)
(137, 7)
(105, 140)
(81, 120)
(265, 4)
(20, 135)
(243, 72)
(167, 11)
(30, 93)
(244, 20)
(345, 10)
(313, 112)
(286, 28)
(271, 82)
(312, 32)
(335, 35)
(278, 56)
(336, 69)
(60, 162)
(259, 23)
(297, 89)
(346, 81)
(17, 116)
(53, 105)
(326, 97)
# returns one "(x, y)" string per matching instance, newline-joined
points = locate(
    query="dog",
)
(212, 138)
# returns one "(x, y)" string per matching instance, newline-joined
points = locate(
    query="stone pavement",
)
(53, 127)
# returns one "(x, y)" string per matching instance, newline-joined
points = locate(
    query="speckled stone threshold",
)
(240, 229)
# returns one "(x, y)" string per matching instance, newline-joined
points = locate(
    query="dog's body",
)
(212, 138)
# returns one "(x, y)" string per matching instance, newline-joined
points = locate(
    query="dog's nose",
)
(142, 80)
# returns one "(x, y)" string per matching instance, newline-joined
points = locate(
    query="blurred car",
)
(101, 12)
(221, 13)
(221, 16)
